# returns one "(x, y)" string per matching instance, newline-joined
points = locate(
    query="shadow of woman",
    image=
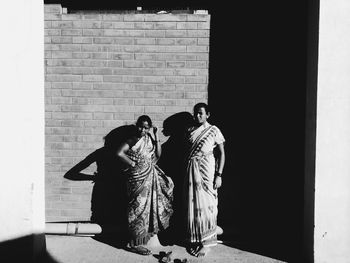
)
(172, 163)
(109, 199)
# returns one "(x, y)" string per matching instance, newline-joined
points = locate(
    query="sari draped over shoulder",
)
(201, 199)
(150, 193)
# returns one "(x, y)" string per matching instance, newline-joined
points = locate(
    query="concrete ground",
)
(86, 249)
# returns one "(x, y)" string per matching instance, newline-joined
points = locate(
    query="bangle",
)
(218, 174)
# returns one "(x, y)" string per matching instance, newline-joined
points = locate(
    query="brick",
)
(71, 123)
(133, 17)
(93, 123)
(167, 102)
(186, 41)
(124, 25)
(123, 41)
(71, 17)
(196, 64)
(93, 32)
(103, 116)
(62, 54)
(154, 64)
(112, 17)
(196, 79)
(155, 33)
(92, 78)
(52, 123)
(165, 17)
(52, 8)
(145, 41)
(82, 86)
(203, 25)
(52, 32)
(123, 116)
(153, 79)
(128, 102)
(47, 24)
(186, 25)
(132, 64)
(175, 79)
(198, 33)
(63, 78)
(102, 101)
(195, 95)
(186, 72)
(144, 25)
(87, 24)
(71, 32)
(82, 116)
(145, 102)
(165, 25)
(49, 16)
(121, 56)
(82, 40)
(133, 94)
(195, 17)
(165, 41)
(61, 40)
(165, 88)
(154, 109)
(176, 64)
(117, 79)
(69, 47)
(61, 100)
(62, 24)
(124, 33)
(193, 49)
(176, 33)
(124, 108)
(91, 16)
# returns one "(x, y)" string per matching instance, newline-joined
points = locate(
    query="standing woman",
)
(149, 190)
(203, 178)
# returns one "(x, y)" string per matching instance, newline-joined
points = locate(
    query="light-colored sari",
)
(201, 198)
(150, 193)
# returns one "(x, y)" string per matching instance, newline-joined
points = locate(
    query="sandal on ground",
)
(140, 250)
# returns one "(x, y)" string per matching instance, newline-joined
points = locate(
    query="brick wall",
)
(103, 70)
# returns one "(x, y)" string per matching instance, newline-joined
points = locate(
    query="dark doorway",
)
(257, 93)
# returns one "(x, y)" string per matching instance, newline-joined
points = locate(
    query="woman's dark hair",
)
(201, 105)
(142, 119)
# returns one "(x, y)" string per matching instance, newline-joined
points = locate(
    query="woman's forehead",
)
(144, 124)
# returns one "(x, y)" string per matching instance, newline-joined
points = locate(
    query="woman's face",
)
(201, 116)
(143, 128)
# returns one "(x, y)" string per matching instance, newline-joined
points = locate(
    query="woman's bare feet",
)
(202, 251)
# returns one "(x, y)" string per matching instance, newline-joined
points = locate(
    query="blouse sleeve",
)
(219, 138)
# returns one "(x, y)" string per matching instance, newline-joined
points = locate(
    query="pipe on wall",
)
(70, 228)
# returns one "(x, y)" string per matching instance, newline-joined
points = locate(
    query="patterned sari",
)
(201, 198)
(150, 194)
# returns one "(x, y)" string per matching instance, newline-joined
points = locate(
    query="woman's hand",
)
(155, 132)
(217, 182)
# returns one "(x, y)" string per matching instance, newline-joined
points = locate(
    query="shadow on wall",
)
(23, 249)
(108, 200)
(172, 163)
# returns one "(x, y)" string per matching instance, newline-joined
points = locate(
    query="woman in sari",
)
(149, 190)
(203, 178)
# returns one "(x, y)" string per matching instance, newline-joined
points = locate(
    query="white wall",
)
(22, 119)
(332, 197)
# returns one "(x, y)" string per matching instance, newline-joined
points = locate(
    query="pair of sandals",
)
(140, 250)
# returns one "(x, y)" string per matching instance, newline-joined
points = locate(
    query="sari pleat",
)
(150, 194)
(201, 198)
